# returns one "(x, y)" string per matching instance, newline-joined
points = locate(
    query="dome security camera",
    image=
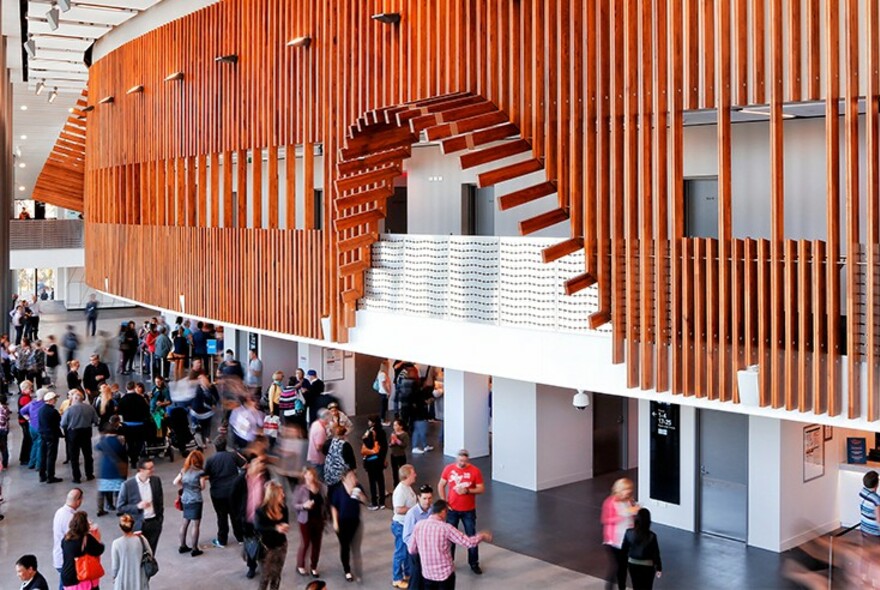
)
(581, 400)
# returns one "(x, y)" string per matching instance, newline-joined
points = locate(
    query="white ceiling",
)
(59, 65)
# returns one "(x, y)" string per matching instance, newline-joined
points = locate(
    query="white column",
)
(465, 413)
(532, 425)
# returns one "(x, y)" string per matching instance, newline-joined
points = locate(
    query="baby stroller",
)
(179, 430)
(157, 442)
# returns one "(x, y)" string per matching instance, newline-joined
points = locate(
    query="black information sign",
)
(665, 453)
(253, 342)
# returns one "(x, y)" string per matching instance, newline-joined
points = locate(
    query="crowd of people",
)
(266, 457)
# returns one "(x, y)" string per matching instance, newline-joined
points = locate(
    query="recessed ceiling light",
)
(24, 107)
(23, 137)
(22, 188)
(22, 165)
(71, 110)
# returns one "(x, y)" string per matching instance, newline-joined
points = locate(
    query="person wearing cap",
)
(77, 423)
(459, 485)
(335, 418)
(50, 434)
(311, 394)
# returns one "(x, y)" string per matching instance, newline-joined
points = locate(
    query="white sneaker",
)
(417, 451)
(428, 448)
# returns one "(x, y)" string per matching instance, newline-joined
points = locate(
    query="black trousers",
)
(80, 441)
(376, 473)
(347, 529)
(616, 568)
(642, 576)
(447, 584)
(151, 530)
(397, 461)
(134, 443)
(416, 581)
(223, 508)
(24, 454)
(49, 446)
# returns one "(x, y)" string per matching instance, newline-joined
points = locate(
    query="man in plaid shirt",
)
(431, 540)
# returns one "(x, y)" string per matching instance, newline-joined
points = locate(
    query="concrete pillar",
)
(532, 424)
(466, 413)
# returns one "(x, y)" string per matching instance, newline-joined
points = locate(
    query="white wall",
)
(434, 206)
(278, 355)
(310, 356)
(683, 515)
(750, 175)
(564, 438)
(514, 433)
(466, 412)
(765, 494)
(72, 288)
(47, 258)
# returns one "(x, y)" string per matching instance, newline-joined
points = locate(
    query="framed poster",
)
(334, 364)
(814, 452)
(829, 432)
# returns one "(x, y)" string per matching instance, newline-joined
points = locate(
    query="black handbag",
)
(148, 561)
(254, 548)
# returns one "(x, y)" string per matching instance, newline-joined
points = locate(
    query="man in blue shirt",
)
(869, 505)
(416, 514)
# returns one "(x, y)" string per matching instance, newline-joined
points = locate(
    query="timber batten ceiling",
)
(594, 92)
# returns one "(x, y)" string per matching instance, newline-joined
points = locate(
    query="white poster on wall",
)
(334, 364)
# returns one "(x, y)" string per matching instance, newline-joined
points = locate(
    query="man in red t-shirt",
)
(459, 485)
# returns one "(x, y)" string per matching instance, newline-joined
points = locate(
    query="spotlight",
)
(174, 76)
(304, 41)
(389, 18)
(53, 16)
(106, 100)
(227, 59)
(17, 151)
(134, 89)
(89, 108)
(30, 46)
(40, 86)
(71, 110)
(53, 95)
(64, 5)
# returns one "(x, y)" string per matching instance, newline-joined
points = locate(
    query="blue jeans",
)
(420, 434)
(469, 520)
(36, 453)
(400, 564)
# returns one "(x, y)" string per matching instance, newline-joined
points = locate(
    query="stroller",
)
(157, 443)
(179, 430)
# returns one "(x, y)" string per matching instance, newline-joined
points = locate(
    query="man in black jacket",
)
(50, 433)
(135, 412)
(31, 579)
(94, 375)
(141, 497)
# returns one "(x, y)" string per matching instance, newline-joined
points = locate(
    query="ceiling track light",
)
(53, 95)
(174, 76)
(40, 86)
(30, 46)
(135, 89)
(227, 59)
(64, 5)
(54, 18)
(106, 100)
(389, 18)
(303, 41)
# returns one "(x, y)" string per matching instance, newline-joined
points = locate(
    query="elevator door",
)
(724, 474)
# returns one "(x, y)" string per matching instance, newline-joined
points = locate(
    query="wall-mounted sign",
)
(665, 481)
(334, 365)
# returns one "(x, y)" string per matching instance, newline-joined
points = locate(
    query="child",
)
(398, 444)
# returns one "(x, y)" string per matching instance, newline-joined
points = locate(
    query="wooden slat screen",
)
(595, 90)
(61, 182)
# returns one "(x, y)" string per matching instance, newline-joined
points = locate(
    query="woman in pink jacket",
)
(618, 511)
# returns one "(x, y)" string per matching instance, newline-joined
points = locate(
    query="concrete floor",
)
(550, 539)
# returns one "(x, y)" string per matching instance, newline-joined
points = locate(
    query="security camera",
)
(581, 400)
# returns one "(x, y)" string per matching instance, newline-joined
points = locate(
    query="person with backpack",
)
(407, 386)
(339, 458)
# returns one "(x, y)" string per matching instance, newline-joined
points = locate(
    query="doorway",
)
(609, 433)
(477, 210)
(395, 218)
(723, 479)
(701, 207)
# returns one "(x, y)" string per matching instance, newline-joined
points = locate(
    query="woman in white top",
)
(385, 387)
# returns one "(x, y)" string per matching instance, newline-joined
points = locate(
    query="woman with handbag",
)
(81, 549)
(374, 450)
(128, 553)
(272, 523)
(191, 479)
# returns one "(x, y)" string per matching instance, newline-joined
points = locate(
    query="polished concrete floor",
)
(550, 539)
